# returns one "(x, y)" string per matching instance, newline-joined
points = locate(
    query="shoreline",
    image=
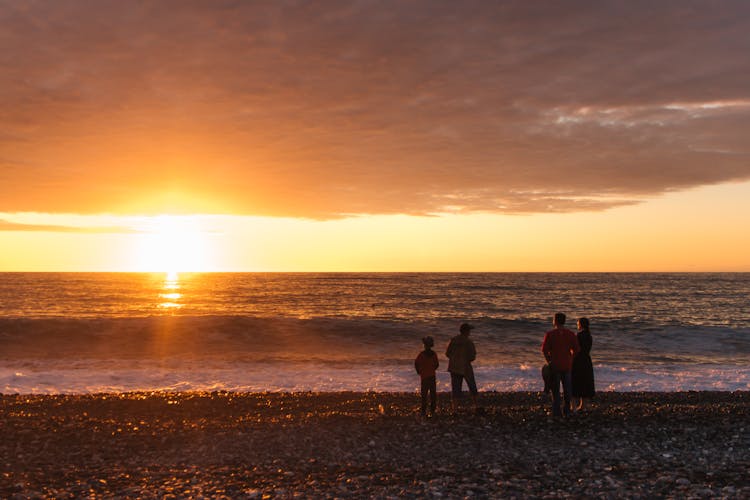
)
(353, 444)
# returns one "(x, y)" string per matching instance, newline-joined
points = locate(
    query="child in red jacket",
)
(426, 364)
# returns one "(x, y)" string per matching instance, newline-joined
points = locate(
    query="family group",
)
(568, 357)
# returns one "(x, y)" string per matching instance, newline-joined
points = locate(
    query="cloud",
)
(17, 226)
(330, 109)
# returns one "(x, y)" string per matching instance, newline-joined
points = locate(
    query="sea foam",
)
(84, 376)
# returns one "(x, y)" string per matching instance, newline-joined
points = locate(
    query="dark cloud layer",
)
(323, 109)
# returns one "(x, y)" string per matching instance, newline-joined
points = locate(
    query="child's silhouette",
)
(426, 365)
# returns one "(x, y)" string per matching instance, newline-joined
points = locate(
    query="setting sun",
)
(172, 244)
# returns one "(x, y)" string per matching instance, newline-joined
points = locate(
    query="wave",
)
(346, 339)
(246, 353)
(207, 337)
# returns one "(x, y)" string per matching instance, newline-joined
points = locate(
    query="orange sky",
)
(372, 135)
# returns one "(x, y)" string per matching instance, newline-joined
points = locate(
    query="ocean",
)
(115, 332)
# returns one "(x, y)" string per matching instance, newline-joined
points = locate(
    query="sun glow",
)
(172, 244)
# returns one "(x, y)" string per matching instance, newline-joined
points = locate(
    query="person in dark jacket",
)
(559, 347)
(426, 365)
(461, 352)
(583, 369)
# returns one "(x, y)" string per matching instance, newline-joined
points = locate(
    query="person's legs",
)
(433, 394)
(556, 379)
(567, 389)
(456, 383)
(424, 388)
(472, 384)
(577, 405)
(547, 378)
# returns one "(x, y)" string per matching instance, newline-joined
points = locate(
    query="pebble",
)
(340, 445)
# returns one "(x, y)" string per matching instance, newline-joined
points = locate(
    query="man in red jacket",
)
(559, 347)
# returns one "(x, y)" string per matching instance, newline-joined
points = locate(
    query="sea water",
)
(82, 332)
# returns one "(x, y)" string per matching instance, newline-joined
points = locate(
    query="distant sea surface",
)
(96, 332)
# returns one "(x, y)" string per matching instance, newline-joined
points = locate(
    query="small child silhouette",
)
(426, 365)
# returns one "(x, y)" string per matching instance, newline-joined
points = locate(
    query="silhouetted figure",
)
(461, 352)
(559, 347)
(582, 372)
(426, 364)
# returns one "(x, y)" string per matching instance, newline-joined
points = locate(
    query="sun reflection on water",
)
(172, 279)
(171, 296)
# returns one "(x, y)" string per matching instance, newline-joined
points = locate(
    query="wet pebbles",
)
(353, 445)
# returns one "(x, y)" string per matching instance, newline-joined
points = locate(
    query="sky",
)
(374, 136)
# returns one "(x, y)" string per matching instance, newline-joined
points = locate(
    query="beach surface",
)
(351, 445)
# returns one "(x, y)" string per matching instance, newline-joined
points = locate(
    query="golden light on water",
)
(170, 296)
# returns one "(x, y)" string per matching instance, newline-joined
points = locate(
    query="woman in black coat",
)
(583, 368)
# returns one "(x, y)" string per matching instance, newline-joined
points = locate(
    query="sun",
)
(172, 244)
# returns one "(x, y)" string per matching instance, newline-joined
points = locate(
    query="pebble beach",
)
(355, 445)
